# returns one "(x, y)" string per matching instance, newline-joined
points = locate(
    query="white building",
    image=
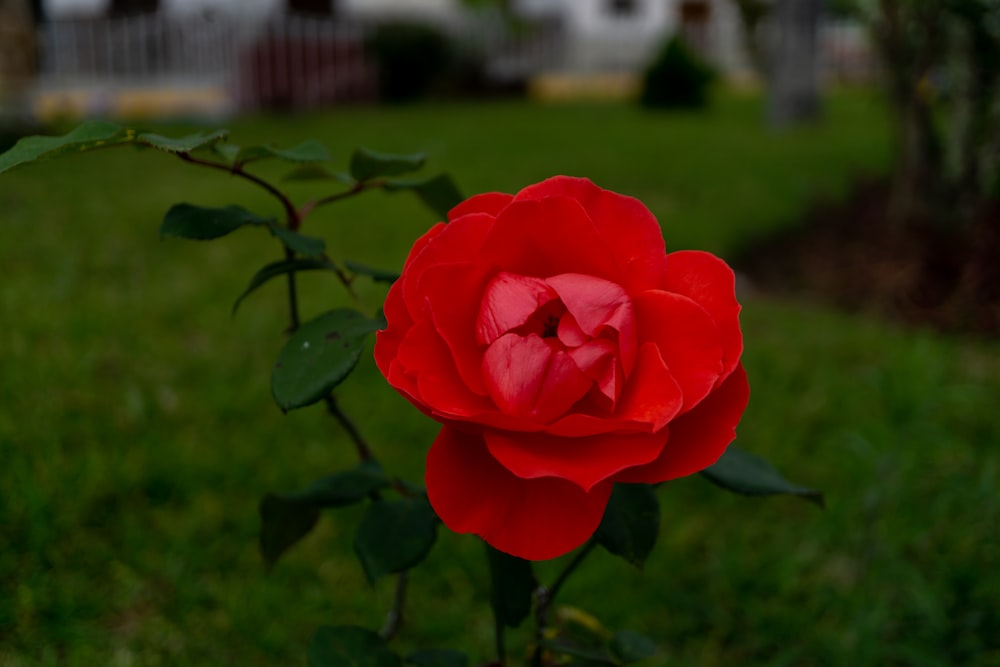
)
(600, 35)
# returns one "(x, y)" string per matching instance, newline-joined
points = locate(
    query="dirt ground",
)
(921, 273)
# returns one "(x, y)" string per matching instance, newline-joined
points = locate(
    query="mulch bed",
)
(921, 273)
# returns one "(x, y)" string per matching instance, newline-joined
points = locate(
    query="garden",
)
(138, 432)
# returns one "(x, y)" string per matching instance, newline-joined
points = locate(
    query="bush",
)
(411, 57)
(677, 78)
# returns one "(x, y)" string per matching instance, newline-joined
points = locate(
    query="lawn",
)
(137, 431)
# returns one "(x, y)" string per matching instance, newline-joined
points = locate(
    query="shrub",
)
(411, 57)
(677, 78)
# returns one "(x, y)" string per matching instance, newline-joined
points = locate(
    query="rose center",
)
(553, 342)
(550, 327)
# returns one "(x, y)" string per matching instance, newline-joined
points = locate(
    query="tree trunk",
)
(793, 62)
(909, 35)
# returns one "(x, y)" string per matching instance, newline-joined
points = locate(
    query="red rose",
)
(563, 350)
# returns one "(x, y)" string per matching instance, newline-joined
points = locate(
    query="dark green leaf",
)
(437, 657)
(378, 275)
(306, 152)
(300, 243)
(512, 586)
(92, 135)
(350, 646)
(87, 136)
(319, 356)
(631, 522)
(196, 222)
(395, 535)
(439, 192)
(366, 164)
(275, 269)
(288, 517)
(283, 522)
(343, 488)
(588, 655)
(631, 647)
(750, 475)
(181, 144)
(226, 151)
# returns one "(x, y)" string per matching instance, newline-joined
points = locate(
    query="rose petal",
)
(398, 320)
(533, 519)
(578, 425)
(547, 237)
(698, 438)
(710, 282)
(687, 338)
(584, 461)
(460, 240)
(596, 359)
(651, 394)
(508, 301)
(526, 377)
(438, 384)
(596, 303)
(570, 334)
(629, 230)
(452, 292)
(490, 203)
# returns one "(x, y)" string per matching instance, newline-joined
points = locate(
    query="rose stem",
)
(364, 451)
(546, 596)
(394, 619)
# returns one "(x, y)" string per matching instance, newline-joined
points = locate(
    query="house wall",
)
(434, 9)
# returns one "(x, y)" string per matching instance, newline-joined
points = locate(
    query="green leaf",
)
(288, 517)
(512, 587)
(319, 356)
(378, 275)
(283, 522)
(300, 243)
(437, 657)
(439, 193)
(279, 268)
(629, 647)
(196, 222)
(367, 164)
(631, 522)
(750, 475)
(93, 135)
(395, 535)
(306, 152)
(343, 488)
(350, 646)
(87, 136)
(226, 151)
(182, 144)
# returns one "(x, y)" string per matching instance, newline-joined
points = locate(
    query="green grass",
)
(137, 432)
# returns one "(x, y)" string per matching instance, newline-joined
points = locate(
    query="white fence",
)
(308, 62)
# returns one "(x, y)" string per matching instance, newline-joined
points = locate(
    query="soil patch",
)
(922, 273)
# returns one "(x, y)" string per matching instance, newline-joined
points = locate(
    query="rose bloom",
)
(563, 350)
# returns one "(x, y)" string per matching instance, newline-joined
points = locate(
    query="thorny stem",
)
(293, 296)
(294, 217)
(546, 597)
(291, 213)
(355, 189)
(364, 451)
(394, 619)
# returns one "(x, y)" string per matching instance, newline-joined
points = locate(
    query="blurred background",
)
(842, 155)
